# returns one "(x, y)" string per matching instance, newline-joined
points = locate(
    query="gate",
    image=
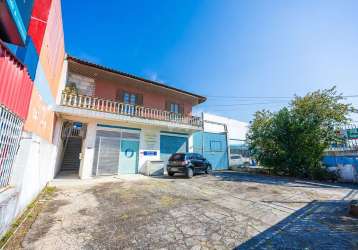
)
(213, 146)
(10, 134)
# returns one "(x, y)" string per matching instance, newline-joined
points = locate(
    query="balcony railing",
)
(109, 106)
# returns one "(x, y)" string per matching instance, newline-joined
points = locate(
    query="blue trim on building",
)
(120, 127)
(28, 56)
(16, 16)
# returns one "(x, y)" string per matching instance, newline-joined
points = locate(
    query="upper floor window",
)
(174, 107)
(130, 98)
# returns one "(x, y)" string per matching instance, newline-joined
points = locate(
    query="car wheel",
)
(189, 172)
(246, 164)
(208, 170)
(170, 173)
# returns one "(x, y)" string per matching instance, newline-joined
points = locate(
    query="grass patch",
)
(13, 237)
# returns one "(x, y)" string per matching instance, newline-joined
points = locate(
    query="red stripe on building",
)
(15, 83)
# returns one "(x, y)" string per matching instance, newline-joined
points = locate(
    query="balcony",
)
(127, 110)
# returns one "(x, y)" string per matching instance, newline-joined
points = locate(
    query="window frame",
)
(130, 98)
(174, 108)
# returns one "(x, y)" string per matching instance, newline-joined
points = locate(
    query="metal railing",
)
(109, 106)
(10, 134)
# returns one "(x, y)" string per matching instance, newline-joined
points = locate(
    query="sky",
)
(243, 56)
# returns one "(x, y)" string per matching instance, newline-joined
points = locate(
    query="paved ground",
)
(222, 211)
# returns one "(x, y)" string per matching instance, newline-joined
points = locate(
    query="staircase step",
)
(71, 159)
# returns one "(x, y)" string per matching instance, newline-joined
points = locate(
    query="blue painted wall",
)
(29, 57)
(213, 146)
(332, 161)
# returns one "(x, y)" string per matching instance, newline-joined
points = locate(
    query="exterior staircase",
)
(71, 161)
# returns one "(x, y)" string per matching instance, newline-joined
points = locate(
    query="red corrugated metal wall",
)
(38, 22)
(15, 83)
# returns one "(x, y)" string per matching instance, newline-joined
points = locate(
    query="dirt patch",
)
(49, 220)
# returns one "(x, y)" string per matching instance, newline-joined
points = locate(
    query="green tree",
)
(292, 141)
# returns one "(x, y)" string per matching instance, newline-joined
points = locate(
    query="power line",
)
(245, 104)
(265, 97)
(250, 97)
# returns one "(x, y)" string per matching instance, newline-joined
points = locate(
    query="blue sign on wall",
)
(150, 153)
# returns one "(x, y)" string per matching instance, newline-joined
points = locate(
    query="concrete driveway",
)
(222, 211)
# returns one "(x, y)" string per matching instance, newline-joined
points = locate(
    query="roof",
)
(77, 60)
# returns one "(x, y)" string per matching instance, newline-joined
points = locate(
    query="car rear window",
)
(235, 157)
(177, 157)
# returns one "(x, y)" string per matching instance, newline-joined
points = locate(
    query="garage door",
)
(171, 144)
(108, 156)
(116, 152)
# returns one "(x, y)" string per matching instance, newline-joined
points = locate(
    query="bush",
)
(292, 141)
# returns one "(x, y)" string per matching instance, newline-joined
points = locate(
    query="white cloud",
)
(153, 76)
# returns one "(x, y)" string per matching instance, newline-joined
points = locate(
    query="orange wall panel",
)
(41, 119)
(53, 48)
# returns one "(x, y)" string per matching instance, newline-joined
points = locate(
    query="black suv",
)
(188, 163)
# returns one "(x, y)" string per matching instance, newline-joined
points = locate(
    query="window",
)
(193, 156)
(215, 146)
(129, 98)
(174, 107)
(198, 156)
(133, 99)
(177, 157)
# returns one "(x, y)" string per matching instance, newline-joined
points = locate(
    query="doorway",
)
(72, 138)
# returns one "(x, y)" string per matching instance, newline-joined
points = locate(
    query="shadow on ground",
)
(318, 225)
(276, 180)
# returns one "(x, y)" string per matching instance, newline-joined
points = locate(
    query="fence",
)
(10, 134)
(109, 106)
(349, 136)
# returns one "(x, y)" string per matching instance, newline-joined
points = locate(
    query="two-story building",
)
(112, 122)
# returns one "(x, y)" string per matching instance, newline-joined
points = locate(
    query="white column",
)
(149, 141)
(191, 143)
(88, 148)
(57, 141)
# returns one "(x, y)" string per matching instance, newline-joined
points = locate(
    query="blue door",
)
(172, 144)
(128, 159)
